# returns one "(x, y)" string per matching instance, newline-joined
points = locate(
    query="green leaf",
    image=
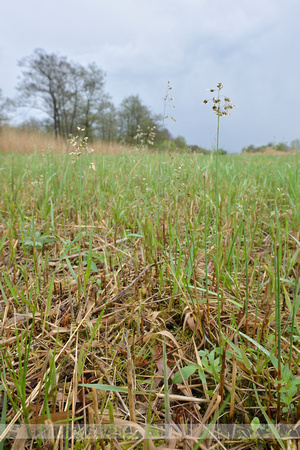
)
(286, 373)
(106, 387)
(109, 388)
(272, 358)
(94, 267)
(186, 372)
(202, 375)
(71, 269)
(245, 359)
(255, 424)
(294, 382)
(3, 293)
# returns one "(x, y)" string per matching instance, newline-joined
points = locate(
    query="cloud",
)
(250, 45)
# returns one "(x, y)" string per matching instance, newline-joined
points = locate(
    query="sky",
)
(251, 46)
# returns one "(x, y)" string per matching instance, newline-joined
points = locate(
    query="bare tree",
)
(65, 92)
(92, 96)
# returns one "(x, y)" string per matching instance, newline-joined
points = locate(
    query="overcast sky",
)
(251, 46)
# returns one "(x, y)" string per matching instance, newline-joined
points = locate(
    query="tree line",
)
(279, 147)
(70, 95)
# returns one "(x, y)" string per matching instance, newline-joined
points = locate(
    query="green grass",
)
(129, 259)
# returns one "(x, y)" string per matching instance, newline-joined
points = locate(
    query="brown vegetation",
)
(15, 140)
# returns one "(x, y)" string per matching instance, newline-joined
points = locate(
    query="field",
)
(156, 297)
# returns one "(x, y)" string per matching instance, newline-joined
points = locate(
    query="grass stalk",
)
(166, 393)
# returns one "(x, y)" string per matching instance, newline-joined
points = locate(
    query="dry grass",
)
(14, 140)
(272, 152)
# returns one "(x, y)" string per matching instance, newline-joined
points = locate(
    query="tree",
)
(281, 147)
(65, 92)
(106, 124)
(43, 85)
(133, 114)
(295, 144)
(180, 142)
(92, 97)
(5, 103)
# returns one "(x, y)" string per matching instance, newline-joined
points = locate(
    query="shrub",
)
(281, 147)
(167, 146)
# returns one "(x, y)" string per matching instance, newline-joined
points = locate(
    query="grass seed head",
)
(80, 144)
(221, 104)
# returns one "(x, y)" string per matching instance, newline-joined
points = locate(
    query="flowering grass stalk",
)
(221, 107)
(168, 101)
(80, 144)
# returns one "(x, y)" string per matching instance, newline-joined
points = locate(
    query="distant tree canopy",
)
(295, 144)
(4, 105)
(180, 142)
(133, 114)
(71, 95)
(68, 93)
(280, 147)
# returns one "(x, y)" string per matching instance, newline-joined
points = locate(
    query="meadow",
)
(156, 297)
